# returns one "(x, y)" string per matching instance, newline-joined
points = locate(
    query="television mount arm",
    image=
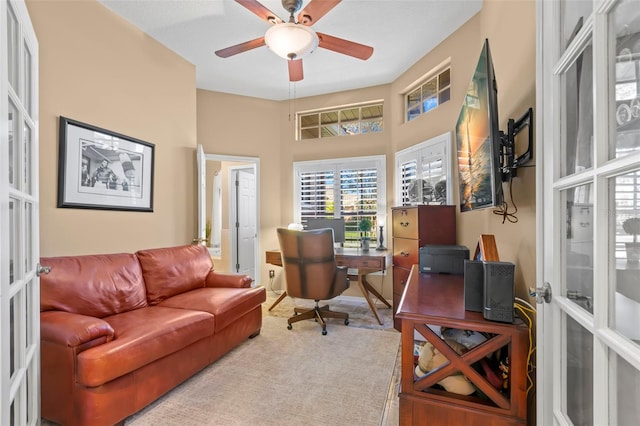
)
(509, 161)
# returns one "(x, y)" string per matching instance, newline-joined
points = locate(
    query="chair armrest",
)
(73, 330)
(215, 279)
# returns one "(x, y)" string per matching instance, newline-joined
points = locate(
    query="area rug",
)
(287, 377)
(360, 314)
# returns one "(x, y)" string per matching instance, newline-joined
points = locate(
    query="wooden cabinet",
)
(431, 302)
(412, 228)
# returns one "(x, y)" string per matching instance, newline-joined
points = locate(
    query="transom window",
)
(431, 91)
(350, 188)
(342, 121)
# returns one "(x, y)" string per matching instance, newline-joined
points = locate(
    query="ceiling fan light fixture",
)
(290, 40)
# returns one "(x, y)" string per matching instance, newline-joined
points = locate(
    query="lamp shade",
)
(291, 41)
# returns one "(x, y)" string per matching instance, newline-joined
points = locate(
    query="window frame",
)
(434, 73)
(338, 110)
(336, 165)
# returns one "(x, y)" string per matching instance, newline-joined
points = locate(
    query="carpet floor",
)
(287, 377)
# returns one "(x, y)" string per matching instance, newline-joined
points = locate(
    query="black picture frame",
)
(103, 170)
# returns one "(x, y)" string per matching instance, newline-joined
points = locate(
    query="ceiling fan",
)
(293, 40)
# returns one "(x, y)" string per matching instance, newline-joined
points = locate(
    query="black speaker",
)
(473, 286)
(499, 291)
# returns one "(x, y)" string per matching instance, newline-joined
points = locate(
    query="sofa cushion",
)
(142, 336)
(226, 304)
(174, 270)
(92, 285)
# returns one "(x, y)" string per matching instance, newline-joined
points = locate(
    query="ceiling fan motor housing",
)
(292, 6)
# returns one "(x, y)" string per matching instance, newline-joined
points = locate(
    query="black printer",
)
(443, 259)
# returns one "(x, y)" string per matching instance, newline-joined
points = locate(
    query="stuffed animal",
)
(430, 358)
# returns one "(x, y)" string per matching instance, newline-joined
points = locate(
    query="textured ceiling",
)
(401, 32)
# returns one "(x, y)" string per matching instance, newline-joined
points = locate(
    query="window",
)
(351, 188)
(348, 120)
(423, 173)
(428, 92)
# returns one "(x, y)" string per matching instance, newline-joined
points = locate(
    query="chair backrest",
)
(309, 264)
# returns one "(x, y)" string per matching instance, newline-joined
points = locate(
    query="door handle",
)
(542, 294)
(42, 269)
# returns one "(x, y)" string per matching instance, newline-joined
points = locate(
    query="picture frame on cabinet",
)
(104, 170)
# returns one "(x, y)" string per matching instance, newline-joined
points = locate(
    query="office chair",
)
(311, 272)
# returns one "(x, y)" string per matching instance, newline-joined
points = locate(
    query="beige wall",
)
(97, 68)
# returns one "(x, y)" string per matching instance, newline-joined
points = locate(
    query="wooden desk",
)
(438, 300)
(365, 262)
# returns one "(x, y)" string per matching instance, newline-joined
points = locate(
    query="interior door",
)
(244, 180)
(588, 187)
(19, 251)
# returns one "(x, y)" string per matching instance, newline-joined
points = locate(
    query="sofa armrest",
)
(73, 330)
(216, 279)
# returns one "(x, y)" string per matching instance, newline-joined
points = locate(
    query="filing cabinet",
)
(412, 228)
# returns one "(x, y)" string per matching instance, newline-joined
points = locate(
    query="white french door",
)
(588, 189)
(19, 251)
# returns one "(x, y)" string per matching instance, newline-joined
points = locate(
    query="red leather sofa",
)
(120, 330)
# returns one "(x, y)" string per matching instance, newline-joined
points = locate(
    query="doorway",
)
(228, 210)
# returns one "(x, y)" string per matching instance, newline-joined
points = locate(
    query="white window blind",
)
(423, 173)
(351, 188)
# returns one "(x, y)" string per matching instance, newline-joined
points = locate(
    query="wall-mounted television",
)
(486, 155)
(478, 139)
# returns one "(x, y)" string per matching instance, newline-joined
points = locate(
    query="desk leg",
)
(282, 296)
(374, 291)
(364, 287)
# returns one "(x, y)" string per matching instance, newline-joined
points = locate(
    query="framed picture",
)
(100, 169)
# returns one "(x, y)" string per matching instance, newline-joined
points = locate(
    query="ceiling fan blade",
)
(260, 10)
(345, 47)
(239, 48)
(295, 70)
(315, 10)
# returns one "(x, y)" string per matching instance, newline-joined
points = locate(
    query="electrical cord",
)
(271, 279)
(527, 312)
(504, 209)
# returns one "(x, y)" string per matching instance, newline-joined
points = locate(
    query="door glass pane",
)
(13, 144)
(29, 313)
(574, 13)
(579, 246)
(579, 371)
(578, 115)
(13, 223)
(626, 84)
(27, 142)
(625, 252)
(12, 336)
(625, 394)
(26, 98)
(28, 231)
(12, 47)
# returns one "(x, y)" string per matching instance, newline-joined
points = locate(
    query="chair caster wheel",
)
(289, 326)
(324, 332)
(346, 322)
